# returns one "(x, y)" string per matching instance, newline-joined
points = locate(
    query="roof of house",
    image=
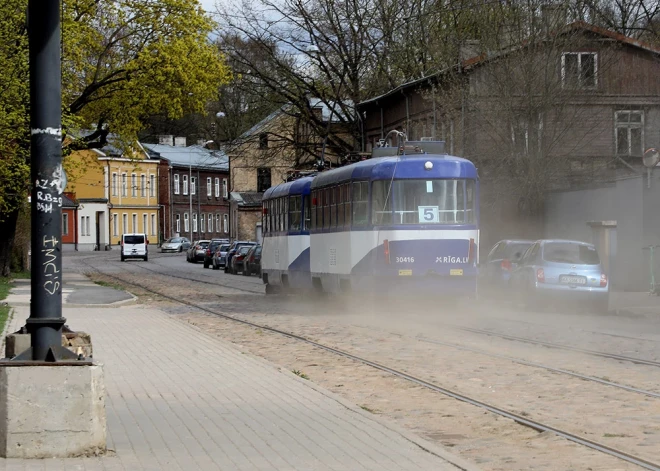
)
(68, 202)
(247, 199)
(191, 156)
(482, 58)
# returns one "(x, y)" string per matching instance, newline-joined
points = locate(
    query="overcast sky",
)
(209, 5)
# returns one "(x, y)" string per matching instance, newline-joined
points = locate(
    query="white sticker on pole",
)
(428, 214)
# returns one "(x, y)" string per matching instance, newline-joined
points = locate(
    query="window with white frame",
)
(186, 222)
(210, 223)
(217, 223)
(225, 223)
(114, 184)
(143, 185)
(82, 226)
(145, 223)
(176, 184)
(526, 135)
(87, 226)
(124, 183)
(185, 184)
(135, 223)
(202, 223)
(65, 223)
(217, 188)
(209, 189)
(194, 222)
(152, 185)
(115, 224)
(177, 221)
(629, 132)
(133, 185)
(193, 184)
(153, 224)
(579, 69)
(224, 188)
(124, 224)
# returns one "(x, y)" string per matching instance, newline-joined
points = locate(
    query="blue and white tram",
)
(285, 223)
(401, 223)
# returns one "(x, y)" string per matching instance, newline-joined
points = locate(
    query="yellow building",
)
(116, 194)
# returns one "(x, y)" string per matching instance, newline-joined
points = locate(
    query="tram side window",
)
(264, 216)
(360, 200)
(313, 209)
(277, 215)
(381, 203)
(319, 210)
(295, 213)
(273, 215)
(333, 207)
(347, 205)
(326, 208)
(307, 213)
(285, 202)
(341, 198)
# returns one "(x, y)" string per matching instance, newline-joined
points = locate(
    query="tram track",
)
(520, 419)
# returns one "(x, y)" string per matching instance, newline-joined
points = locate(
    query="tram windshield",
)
(424, 202)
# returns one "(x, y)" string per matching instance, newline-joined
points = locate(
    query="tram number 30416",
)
(405, 259)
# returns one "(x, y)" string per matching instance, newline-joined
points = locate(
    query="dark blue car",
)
(502, 260)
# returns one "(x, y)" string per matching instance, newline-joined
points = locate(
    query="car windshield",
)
(515, 248)
(134, 239)
(244, 249)
(224, 248)
(257, 251)
(203, 244)
(174, 240)
(423, 202)
(567, 252)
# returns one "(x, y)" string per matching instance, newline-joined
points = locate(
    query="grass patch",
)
(5, 286)
(21, 275)
(615, 435)
(300, 374)
(109, 285)
(368, 409)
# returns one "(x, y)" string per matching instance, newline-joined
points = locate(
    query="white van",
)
(134, 246)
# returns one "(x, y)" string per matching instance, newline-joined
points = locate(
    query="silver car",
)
(220, 257)
(175, 244)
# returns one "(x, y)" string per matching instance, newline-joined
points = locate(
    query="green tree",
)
(123, 61)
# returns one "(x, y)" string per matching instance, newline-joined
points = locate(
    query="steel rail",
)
(447, 392)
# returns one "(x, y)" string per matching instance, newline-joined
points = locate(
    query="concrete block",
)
(52, 411)
(15, 344)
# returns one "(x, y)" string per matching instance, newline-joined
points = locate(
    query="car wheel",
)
(206, 265)
(146, 258)
(123, 259)
(180, 249)
(246, 272)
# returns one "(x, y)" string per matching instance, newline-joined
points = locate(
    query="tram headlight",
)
(428, 165)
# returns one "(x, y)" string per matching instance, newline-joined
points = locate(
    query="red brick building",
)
(193, 191)
(69, 222)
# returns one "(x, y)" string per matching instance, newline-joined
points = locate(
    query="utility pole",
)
(48, 181)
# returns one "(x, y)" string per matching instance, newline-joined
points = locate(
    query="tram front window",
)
(433, 201)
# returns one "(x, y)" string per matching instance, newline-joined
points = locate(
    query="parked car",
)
(237, 244)
(220, 256)
(561, 270)
(197, 250)
(210, 249)
(175, 244)
(239, 257)
(252, 261)
(502, 260)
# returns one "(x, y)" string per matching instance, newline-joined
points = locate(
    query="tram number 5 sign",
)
(428, 214)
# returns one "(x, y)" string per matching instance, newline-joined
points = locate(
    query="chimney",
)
(179, 141)
(469, 49)
(553, 16)
(166, 139)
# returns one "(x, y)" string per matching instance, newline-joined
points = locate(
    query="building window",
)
(210, 219)
(526, 135)
(202, 223)
(263, 179)
(579, 69)
(87, 226)
(114, 184)
(133, 185)
(143, 185)
(193, 185)
(178, 223)
(186, 222)
(135, 223)
(152, 185)
(145, 224)
(194, 222)
(82, 226)
(65, 224)
(217, 223)
(124, 224)
(209, 189)
(115, 224)
(263, 140)
(225, 224)
(217, 188)
(185, 184)
(629, 127)
(225, 192)
(124, 181)
(176, 184)
(153, 224)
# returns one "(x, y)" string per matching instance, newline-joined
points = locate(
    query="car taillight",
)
(386, 247)
(506, 265)
(208, 251)
(603, 280)
(540, 275)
